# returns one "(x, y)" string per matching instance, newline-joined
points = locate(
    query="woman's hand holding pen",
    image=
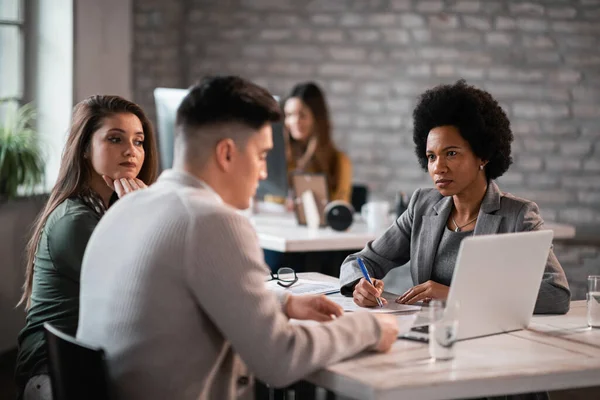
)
(365, 294)
(424, 292)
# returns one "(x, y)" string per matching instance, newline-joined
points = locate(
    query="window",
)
(11, 54)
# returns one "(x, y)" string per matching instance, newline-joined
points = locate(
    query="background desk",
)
(280, 232)
(556, 352)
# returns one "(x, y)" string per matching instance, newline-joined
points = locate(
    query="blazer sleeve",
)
(390, 250)
(343, 189)
(554, 296)
(229, 286)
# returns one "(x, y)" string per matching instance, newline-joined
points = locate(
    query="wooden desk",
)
(280, 232)
(556, 352)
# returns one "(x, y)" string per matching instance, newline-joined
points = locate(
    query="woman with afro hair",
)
(462, 138)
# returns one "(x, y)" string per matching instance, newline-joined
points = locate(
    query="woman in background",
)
(309, 146)
(110, 151)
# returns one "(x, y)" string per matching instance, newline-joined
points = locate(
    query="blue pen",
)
(367, 277)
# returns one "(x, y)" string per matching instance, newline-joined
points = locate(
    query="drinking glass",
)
(443, 329)
(593, 301)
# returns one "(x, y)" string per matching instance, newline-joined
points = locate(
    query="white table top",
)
(280, 232)
(555, 352)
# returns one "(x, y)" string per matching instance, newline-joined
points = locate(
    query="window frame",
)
(19, 22)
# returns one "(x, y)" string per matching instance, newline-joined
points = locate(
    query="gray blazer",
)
(416, 234)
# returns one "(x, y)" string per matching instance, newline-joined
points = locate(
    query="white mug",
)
(375, 213)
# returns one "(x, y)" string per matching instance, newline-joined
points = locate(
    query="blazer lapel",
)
(487, 221)
(433, 227)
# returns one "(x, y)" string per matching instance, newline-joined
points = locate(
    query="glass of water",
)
(593, 301)
(443, 329)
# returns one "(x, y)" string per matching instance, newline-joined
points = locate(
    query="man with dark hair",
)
(172, 283)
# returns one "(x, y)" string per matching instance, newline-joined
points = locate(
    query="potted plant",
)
(21, 161)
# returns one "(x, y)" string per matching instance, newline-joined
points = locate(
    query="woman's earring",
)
(481, 167)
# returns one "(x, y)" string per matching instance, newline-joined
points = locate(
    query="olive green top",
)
(55, 290)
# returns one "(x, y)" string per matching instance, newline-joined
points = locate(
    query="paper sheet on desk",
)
(306, 286)
(348, 304)
(405, 322)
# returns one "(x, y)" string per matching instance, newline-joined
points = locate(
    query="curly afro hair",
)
(478, 117)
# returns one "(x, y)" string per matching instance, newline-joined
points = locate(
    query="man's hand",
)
(365, 294)
(389, 332)
(426, 292)
(124, 185)
(312, 306)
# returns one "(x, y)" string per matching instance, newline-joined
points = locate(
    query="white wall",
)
(103, 31)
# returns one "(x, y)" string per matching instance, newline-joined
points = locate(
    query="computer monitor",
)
(167, 102)
(277, 180)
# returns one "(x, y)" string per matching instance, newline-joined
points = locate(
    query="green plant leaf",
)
(21, 159)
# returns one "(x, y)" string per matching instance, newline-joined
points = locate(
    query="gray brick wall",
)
(579, 261)
(541, 59)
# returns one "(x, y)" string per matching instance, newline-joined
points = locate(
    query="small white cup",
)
(375, 213)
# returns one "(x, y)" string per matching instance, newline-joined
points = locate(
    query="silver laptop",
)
(496, 282)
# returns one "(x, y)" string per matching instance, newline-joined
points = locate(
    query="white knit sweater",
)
(172, 287)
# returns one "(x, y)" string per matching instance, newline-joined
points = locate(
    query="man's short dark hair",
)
(226, 99)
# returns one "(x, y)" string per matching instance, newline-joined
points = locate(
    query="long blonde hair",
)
(322, 155)
(75, 170)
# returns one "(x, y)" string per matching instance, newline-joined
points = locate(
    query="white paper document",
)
(306, 286)
(348, 304)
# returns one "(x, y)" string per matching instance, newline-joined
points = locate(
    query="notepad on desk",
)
(348, 304)
(306, 286)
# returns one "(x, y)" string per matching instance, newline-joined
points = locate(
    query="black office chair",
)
(360, 194)
(77, 371)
